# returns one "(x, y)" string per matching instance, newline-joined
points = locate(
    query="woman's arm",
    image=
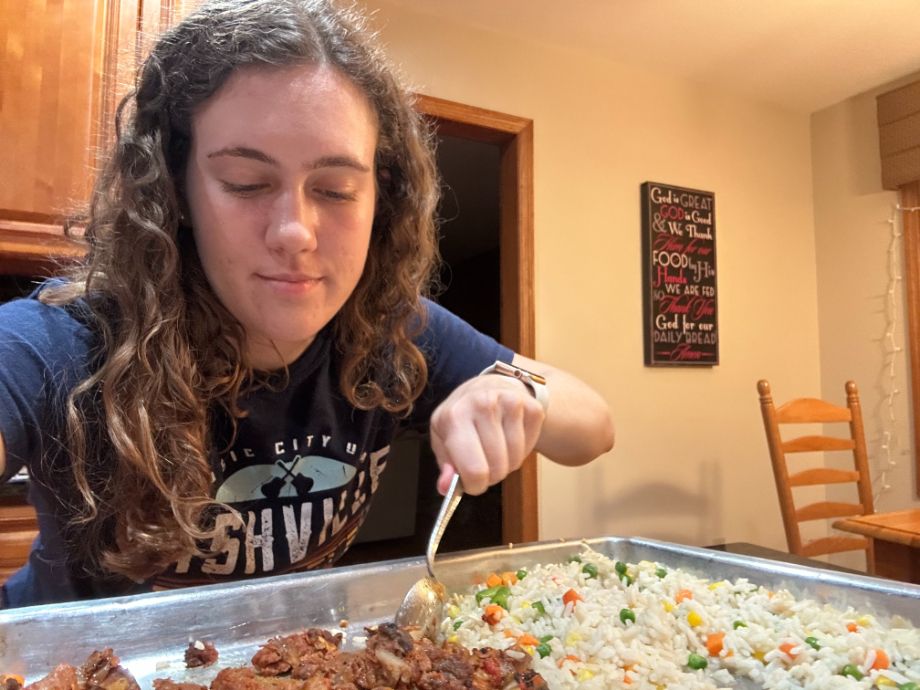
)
(488, 425)
(577, 427)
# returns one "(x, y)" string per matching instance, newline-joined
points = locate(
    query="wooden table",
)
(897, 541)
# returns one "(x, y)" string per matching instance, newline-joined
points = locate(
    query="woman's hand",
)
(484, 430)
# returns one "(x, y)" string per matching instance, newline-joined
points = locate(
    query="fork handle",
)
(448, 506)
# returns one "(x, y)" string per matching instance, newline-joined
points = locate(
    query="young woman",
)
(214, 393)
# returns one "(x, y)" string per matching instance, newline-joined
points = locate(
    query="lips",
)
(290, 277)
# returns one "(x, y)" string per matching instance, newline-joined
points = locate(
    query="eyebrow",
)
(262, 157)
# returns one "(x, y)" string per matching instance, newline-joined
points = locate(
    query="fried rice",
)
(595, 623)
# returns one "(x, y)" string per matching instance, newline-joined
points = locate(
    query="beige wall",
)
(691, 462)
(853, 240)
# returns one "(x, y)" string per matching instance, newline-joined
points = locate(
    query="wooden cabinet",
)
(18, 528)
(63, 66)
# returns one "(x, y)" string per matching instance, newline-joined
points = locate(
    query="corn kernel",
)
(453, 611)
(884, 681)
(528, 648)
(694, 619)
(524, 604)
(452, 639)
(572, 638)
(668, 606)
(585, 674)
(759, 655)
(864, 621)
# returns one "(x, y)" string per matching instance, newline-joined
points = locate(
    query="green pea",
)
(696, 662)
(486, 593)
(589, 569)
(521, 574)
(852, 671)
(457, 624)
(660, 572)
(627, 579)
(543, 649)
(546, 638)
(497, 595)
(738, 624)
(813, 643)
(909, 685)
(627, 615)
(574, 559)
(539, 607)
(620, 567)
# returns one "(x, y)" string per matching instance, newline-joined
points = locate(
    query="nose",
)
(293, 224)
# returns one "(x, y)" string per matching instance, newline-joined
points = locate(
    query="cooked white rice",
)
(589, 645)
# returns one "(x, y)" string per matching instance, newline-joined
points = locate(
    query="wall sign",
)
(679, 276)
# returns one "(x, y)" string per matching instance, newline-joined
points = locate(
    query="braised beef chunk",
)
(392, 659)
(300, 654)
(103, 672)
(248, 679)
(64, 677)
(168, 684)
(200, 654)
(530, 680)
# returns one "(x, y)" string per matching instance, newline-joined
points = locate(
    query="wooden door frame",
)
(514, 137)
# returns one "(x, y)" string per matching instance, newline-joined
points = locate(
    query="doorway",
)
(488, 255)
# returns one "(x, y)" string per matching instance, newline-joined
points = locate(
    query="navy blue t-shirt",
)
(301, 470)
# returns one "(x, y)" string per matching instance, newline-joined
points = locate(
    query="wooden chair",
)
(815, 411)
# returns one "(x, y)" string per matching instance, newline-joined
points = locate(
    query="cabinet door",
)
(64, 64)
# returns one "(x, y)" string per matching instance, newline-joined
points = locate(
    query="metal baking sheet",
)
(150, 632)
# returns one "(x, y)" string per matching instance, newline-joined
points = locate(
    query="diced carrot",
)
(714, 643)
(527, 639)
(881, 660)
(571, 597)
(509, 633)
(627, 680)
(852, 627)
(787, 647)
(683, 594)
(568, 657)
(493, 614)
(494, 580)
(509, 578)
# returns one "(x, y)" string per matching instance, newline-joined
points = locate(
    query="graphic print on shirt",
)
(298, 508)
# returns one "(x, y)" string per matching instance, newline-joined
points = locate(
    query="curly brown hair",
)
(171, 352)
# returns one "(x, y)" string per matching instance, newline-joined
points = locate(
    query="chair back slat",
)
(808, 444)
(827, 545)
(825, 510)
(823, 475)
(811, 411)
(817, 411)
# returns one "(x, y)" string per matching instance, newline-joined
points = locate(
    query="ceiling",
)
(802, 55)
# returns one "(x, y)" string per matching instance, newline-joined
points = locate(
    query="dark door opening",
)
(407, 501)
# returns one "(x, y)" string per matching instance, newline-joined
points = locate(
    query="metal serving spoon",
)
(424, 602)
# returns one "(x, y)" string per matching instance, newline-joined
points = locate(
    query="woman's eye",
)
(242, 189)
(336, 195)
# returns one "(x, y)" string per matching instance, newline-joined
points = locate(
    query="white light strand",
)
(890, 445)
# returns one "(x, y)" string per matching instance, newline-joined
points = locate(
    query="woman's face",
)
(281, 189)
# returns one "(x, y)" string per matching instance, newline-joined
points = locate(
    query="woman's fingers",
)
(484, 433)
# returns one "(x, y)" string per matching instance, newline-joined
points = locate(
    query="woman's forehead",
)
(295, 103)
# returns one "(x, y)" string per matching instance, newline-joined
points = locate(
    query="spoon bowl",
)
(423, 604)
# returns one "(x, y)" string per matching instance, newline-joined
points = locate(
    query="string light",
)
(890, 445)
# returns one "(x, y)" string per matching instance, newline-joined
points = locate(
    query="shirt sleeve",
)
(43, 354)
(455, 352)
